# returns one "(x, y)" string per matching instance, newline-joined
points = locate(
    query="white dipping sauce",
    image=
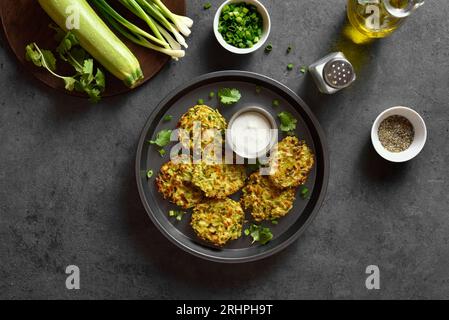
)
(250, 134)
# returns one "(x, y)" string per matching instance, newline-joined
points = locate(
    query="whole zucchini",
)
(96, 38)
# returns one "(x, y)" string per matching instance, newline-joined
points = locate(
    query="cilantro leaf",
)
(70, 51)
(162, 138)
(69, 83)
(259, 234)
(100, 79)
(167, 118)
(288, 122)
(229, 96)
(40, 58)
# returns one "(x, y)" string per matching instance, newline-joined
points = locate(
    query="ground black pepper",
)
(396, 133)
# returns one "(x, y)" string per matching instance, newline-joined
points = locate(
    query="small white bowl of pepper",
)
(399, 134)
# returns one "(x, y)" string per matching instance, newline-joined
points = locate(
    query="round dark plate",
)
(176, 104)
(24, 22)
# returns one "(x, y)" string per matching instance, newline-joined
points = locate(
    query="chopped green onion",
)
(207, 6)
(269, 48)
(201, 101)
(211, 95)
(162, 152)
(290, 66)
(289, 49)
(176, 214)
(258, 89)
(276, 103)
(304, 192)
(303, 69)
(241, 25)
(150, 174)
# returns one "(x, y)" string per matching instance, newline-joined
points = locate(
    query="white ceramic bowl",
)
(268, 117)
(418, 142)
(265, 32)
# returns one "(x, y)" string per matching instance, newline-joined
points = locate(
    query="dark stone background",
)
(68, 194)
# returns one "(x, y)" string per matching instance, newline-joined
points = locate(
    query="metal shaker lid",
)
(338, 73)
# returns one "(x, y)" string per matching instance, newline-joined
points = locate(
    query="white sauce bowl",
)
(419, 139)
(273, 127)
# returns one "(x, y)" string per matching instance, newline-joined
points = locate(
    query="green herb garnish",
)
(276, 103)
(240, 25)
(258, 89)
(207, 6)
(259, 234)
(269, 48)
(150, 173)
(201, 101)
(211, 95)
(162, 138)
(85, 80)
(176, 214)
(162, 152)
(167, 118)
(288, 122)
(290, 66)
(229, 96)
(303, 69)
(274, 222)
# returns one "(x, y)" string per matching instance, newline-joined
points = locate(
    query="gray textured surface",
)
(68, 195)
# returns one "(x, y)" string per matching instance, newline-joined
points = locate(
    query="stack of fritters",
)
(205, 187)
(174, 182)
(272, 196)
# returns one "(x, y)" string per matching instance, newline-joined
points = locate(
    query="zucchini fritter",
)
(218, 221)
(291, 162)
(174, 182)
(219, 180)
(265, 200)
(211, 120)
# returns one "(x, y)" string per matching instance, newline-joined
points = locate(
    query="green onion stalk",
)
(167, 29)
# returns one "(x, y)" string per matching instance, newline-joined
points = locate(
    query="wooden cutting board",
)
(24, 22)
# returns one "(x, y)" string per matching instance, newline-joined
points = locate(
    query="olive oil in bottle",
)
(379, 18)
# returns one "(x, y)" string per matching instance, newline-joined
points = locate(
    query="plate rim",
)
(252, 76)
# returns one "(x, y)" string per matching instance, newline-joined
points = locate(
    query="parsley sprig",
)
(229, 96)
(259, 234)
(288, 122)
(86, 79)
